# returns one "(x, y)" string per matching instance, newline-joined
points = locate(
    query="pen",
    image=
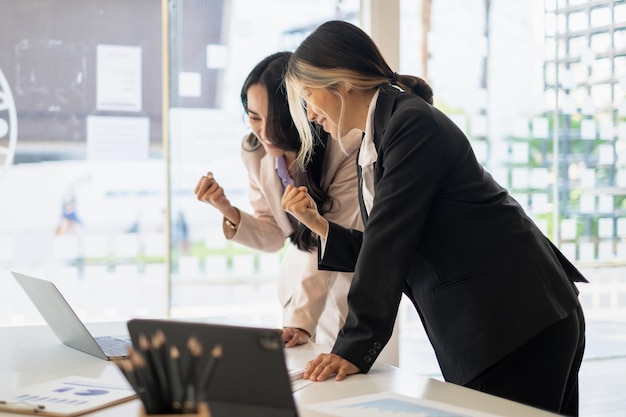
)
(175, 378)
(205, 379)
(195, 352)
(159, 360)
(128, 370)
(21, 406)
(144, 381)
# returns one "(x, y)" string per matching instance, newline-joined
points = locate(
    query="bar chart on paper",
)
(391, 404)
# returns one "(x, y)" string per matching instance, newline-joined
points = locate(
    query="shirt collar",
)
(367, 153)
(283, 172)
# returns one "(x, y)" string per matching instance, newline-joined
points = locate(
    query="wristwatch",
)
(230, 224)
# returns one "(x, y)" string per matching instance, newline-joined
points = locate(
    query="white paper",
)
(118, 85)
(392, 404)
(72, 395)
(118, 138)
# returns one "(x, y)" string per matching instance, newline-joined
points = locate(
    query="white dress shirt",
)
(368, 156)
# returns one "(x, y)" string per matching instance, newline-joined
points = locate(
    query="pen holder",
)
(203, 411)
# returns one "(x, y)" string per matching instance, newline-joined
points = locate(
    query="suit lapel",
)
(364, 215)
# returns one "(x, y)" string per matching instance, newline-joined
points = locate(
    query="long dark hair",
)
(335, 54)
(283, 134)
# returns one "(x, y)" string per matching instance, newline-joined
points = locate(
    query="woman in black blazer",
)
(497, 299)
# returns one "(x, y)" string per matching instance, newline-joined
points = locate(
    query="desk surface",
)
(32, 354)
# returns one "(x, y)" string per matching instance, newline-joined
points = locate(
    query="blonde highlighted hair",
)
(338, 53)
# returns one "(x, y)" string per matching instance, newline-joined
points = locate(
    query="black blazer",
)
(482, 276)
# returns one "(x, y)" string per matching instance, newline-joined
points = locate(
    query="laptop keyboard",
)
(295, 373)
(113, 346)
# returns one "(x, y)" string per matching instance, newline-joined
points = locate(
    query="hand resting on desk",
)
(293, 336)
(327, 364)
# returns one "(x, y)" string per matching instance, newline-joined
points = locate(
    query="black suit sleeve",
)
(342, 249)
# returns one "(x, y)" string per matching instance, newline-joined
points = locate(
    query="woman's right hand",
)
(209, 191)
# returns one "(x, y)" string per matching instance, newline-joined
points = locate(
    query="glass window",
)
(213, 277)
(561, 23)
(580, 73)
(85, 187)
(600, 16)
(550, 74)
(619, 39)
(562, 3)
(550, 51)
(550, 24)
(601, 95)
(576, 46)
(577, 21)
(619, 13)
(602, 69)
(601, 42)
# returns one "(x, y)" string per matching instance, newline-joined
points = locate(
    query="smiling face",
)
(325, 108)
(258, 118)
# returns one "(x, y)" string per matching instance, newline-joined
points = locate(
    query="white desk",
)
(32, 354)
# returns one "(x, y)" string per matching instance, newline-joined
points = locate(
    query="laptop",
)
(250, 378)
(65, 323)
